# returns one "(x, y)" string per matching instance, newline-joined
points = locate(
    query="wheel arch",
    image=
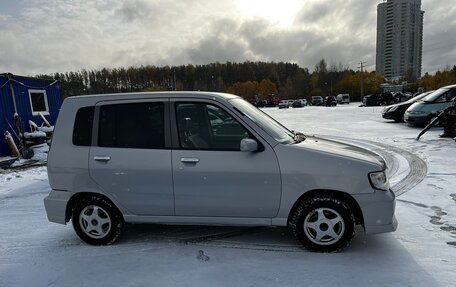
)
(347, 198)
(81, 195)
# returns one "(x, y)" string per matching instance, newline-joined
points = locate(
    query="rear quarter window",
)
(82, 130)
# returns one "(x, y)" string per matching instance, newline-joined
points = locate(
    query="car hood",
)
(400, 105)
(418, 106)
(341, 149)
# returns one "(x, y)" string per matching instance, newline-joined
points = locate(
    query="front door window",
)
(207, 127)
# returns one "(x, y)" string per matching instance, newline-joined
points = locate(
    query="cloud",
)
(45, 36)
(439, 41)
(220, 44)
(134, 10)
(314, 11)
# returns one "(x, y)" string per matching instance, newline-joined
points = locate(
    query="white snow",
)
(46, 129)
(40, 153)
(34, 252)
(36, 134)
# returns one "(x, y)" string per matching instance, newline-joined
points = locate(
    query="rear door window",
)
(132, 125)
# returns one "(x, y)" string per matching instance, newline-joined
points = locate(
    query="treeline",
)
(251, 80)
(212, 77)
(439, 79)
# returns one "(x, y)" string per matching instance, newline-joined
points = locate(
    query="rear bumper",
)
(378, 211)
(55, 204)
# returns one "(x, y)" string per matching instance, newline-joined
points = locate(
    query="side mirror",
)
(249, 145)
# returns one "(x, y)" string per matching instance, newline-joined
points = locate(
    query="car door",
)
(212, 177)
(131, 156)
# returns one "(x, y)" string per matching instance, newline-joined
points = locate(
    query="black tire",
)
(332, 209)
(98, 210)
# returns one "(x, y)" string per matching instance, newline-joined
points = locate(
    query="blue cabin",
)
(27, 97)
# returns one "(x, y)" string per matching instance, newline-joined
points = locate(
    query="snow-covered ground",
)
(422, 252)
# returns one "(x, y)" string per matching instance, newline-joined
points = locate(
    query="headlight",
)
(379, 180)
(416, 112)
(392, 109)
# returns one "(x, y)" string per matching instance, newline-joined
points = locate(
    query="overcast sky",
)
(46, 36)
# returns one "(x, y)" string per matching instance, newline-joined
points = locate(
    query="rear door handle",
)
(102, 158)
(190, 160)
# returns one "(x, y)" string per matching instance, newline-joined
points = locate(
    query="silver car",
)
(208, 159)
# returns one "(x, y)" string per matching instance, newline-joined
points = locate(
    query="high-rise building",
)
(399, 38)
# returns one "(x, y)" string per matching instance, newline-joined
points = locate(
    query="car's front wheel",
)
(97, 221)
(323, 224)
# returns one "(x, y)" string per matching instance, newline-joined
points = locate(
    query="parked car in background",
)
(343, 98)
(371, 100)
(261, 103)
(378, 99)
(385, 99)
(284, 104)
(123, 158)
(401, 97)
(317, 101)
(330, 101)
(267, 103)
(425, 110)
(299, 103)
(396, 112)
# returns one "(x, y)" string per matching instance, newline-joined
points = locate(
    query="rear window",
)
(136, 125)
(82, 130)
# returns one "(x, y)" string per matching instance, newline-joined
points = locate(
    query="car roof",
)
(450, 87)
(145, 95)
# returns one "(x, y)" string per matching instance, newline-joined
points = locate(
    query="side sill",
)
(189, 220)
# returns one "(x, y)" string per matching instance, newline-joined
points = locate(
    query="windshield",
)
(417, 98)
(433, 96)
(264, 121)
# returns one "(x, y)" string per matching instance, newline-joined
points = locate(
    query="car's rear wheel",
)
(97, 221)
(323, 224)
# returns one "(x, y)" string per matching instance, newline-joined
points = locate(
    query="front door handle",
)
(102, 158)
(190, 160)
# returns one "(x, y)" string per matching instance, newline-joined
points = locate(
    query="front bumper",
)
(391, 115)
(378, 211)
(415, 120)
(55, 204)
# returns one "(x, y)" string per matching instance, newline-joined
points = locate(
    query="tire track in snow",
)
(417, 167)
(248, 238)
(405, 179)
